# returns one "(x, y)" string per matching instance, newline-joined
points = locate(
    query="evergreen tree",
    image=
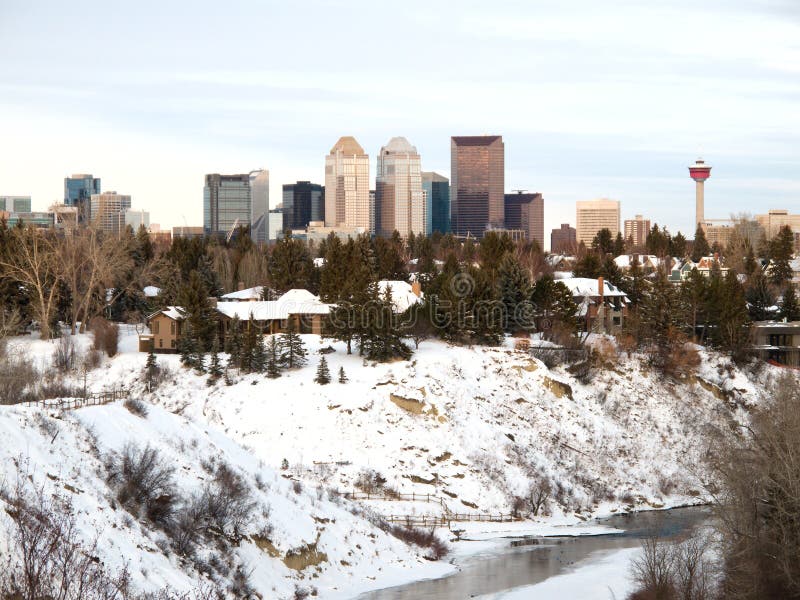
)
(426, 267)
(730, 331)
(619, 245)
(273, 358)
(258, 363)
(700, 246)
(150, 370)
(603, 242)
(790, 308)
(389, 261)
(209, 276)
(611, 272)
(484, 310)
(781, 249)
(292, 350)
(658, 318)
(588, 266)
(342, 376)
(678, 246)
(215, 368)
(760, 298)
(692, 300)
(658, 242)
(334, 272)
(634, 283)
(323, 376)
(189, 349)
(515, 290)
(290, 265)
(234, 342)
(382, 339)
(492, 250)
(750, 263)
(468, 251)
(201, 318)
(249, 341)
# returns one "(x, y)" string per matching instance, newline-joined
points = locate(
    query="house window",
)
(172, 327)
(160, 342)
(172, 343)
(155, 326)
(617, 321)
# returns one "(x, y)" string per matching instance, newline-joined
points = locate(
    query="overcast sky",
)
(593, 99)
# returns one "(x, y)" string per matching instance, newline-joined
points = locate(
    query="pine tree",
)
(760, 298)
(258, 362)
(730, 319)
(692, 299)
(290, 265)
(781, 249)
(381, 339)
(292, 350)
(619, 245)
(790, 308)
(658, 314)
(588, 266)
(215, 368)
(193, 299)
(634, 284)
(342, 376)
(700, 246)
(273, 358)
(603, 242)
(515, 290)
(248, 347)
(611, 272)
(189, 348)
(678, 246)
(323, 376)
(151, 370)
(234, 342)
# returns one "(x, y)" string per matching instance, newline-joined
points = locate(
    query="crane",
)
(233, 228)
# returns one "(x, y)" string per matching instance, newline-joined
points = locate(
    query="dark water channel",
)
(529, 560)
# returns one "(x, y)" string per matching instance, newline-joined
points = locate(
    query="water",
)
(530, 560)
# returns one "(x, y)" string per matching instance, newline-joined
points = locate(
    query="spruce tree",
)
(700, 246)
(215, 368)
(234, 342)
(619, 245)
(323, 376)
(273, 358)
(150, 370)
(248, 347)
(258, 362)
(678, 246)
(193, 299)
(658, 314)
(515, 290)
(731, 318)
(634, 284)
(588, 266)
(781, 249)
(292, 350)
(603, 242)
(382, 339)
(290, 265)
(760, 298)
(790, 308)
(342, 376)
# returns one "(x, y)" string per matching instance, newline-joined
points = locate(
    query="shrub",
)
(370, 481)
(64, 356)
(17, 376)
(92, 360)
(106, 335)
(424, 538)
(136, 407)
(144, 482)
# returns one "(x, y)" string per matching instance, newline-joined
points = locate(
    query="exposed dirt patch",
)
(418, 479)
(558, 388)
(303, 557)
(469, 504)
(266, 545)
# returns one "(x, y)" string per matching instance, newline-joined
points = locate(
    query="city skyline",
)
(592, 101)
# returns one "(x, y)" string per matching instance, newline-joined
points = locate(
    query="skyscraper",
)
(107, 211)
(637, 230)
(78, 191)
(227, 203)
(477, 182)
(398, 189)
(303, 202)
(563, 240)
(526, 212)
(437, 202)
(259, 205)
(18, 204)
(347, 200)
(594, 215)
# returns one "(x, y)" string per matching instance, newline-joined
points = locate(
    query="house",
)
(602, 307)
(707, 264)
(252, 294)
(165, 330)
(404, 294)
(272, 316)
(647, 262)
(777, 342)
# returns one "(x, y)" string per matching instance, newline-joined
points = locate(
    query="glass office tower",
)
(303, 202)
(259, 205)
(399, 201)
(437, 202)
(78, 191)
(477, 184)
(227, 203)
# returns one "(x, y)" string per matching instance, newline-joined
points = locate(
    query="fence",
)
(396, 496)
(97, 399)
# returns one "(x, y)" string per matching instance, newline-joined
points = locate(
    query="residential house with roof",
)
(602, 307)
(777, 342)
(165, 330)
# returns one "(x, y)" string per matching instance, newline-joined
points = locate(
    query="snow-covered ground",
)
(468, 428)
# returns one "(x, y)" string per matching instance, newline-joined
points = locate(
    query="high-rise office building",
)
(227, 203)
(636, 230)
(19, 204)
(259, 205)
(303, 202)
(477, 172)
(399, 202)
(136, 219)
(437, 202)
(563, 240)
(594, 215)
(347, 201)
(526, 212)
(107, 211)
(78, 191)
(777, 218)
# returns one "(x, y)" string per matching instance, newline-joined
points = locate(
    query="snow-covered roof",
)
(151, 291)
(319, 262)
(623, 261)
(253, 293)
(293, 302)
(583, 286)
(173, 312)
(403, 296)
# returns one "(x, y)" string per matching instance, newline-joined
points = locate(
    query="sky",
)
(593, 99)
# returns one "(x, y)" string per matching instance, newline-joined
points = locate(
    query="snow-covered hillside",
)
(474, 428)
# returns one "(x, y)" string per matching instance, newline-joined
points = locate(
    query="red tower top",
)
(700, 171)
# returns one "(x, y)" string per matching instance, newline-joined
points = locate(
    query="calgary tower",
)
(699, 171)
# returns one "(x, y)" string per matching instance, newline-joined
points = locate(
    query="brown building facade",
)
(563, 240)
(526, 211)
(477, 183)
(636, 231)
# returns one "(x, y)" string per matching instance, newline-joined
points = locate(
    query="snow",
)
(601, 576)
(473, 427)
(584, 286)
(403, 296)
(253, 293)
(291, 303)
(151, 291)
(173, 312)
